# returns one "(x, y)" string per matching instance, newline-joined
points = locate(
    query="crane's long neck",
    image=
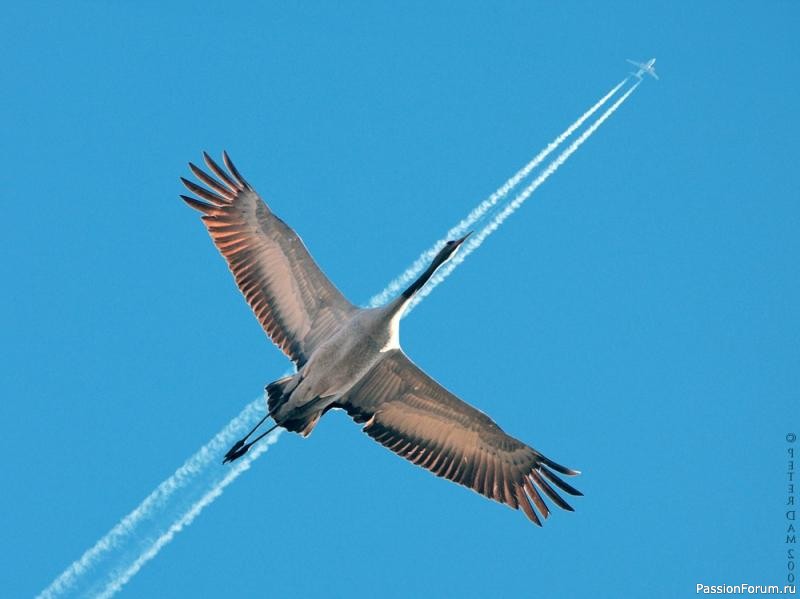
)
(421, 280)
(398, 306)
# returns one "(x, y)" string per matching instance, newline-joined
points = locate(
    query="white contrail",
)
(481, 209)
(188, 473)
(119, 579)
(196, 466)
(476, 240)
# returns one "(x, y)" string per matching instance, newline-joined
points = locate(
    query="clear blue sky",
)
(637, 319)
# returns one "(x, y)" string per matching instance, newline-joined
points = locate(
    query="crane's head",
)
(448, 250)
(443, 256)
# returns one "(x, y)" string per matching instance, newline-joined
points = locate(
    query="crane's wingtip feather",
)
(558, 467)
(220, 172)
(226, 195)
(564, 486)
(198, 205)
(234, 171)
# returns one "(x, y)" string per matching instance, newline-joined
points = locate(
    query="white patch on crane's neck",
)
(394, 328)
(394, 333)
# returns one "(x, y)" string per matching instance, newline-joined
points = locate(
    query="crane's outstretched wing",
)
(293, 300)
(414, 416)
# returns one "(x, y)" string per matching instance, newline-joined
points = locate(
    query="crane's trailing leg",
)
(241, 447)
(277, 393)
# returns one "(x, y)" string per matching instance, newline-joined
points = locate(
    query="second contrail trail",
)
(142, 522)
(411, 273)
(121, 577)
(475, 241)
(195, 485)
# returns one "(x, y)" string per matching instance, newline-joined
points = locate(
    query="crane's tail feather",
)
(300, 420)
(278, 393)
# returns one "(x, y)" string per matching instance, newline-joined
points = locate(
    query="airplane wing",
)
(634, 63)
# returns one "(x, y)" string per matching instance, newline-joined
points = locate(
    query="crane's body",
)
(346, 356)
(350, 358)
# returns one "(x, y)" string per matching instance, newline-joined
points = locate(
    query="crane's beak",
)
(463, 239)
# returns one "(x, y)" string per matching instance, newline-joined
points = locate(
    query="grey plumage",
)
(350, 358)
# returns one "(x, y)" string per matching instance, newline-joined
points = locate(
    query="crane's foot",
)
(237, 451)
(241, 447)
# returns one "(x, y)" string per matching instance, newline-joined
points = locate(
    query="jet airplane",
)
(644, 67)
